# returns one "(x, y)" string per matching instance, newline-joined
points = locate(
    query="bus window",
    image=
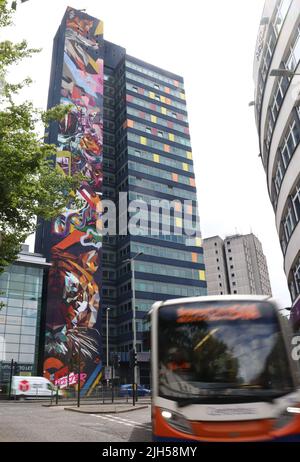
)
(221, 352)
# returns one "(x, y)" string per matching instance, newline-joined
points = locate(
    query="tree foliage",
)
(30, 184)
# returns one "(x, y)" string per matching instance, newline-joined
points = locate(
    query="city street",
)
(32, 422)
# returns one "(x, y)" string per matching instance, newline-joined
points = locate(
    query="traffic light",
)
(132, 358)
(116, 361)
(16, 370)
(14, 4)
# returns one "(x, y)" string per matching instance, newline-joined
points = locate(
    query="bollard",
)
(56, 398)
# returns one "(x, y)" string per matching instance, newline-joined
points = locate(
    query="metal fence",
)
(103, 393)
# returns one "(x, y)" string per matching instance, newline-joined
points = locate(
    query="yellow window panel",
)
(153, 119)
(163, 110)
(99, 29)
(95, 64)
(182, 95)
(202, 275)
(178, 206)
(189, 155)
(171, 137)
(185, 167)
(163, 99)
(143, 140)
(189, 209)
(151, 94)
(198, 242)
(156, 158)
(63, 162)
(178, 222)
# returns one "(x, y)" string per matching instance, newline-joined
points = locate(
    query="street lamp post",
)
(107, 352)
(282, 72)
(76, 331)
(79, 374)
(131, 260)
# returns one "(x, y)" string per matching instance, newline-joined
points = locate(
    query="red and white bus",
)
(222, 370)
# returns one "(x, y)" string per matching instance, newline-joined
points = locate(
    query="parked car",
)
(126, 390)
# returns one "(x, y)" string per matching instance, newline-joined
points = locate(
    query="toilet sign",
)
(24, 385)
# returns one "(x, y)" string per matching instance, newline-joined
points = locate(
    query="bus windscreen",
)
(221, 350)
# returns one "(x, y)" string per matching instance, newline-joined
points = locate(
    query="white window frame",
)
(296, 274)
(288, 224)
(285, 146)
(281, 13)
(269, 132)
(295, 198)
(278, 177)
(291, 61)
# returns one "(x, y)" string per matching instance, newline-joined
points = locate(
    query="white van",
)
(32, 387)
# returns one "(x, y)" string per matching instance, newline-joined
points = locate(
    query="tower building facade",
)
(132, 235)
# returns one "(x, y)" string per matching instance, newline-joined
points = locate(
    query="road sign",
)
(107, 372)
(143, 357)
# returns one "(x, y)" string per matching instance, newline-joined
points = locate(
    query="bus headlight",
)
(176, 421)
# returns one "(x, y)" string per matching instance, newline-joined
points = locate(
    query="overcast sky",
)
(211, 44)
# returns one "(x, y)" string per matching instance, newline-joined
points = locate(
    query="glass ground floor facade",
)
(21, 298)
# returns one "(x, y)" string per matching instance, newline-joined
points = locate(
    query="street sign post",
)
(107, 373)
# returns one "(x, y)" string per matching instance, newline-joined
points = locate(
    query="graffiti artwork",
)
(73, 305)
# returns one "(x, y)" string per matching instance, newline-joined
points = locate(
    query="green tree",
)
(30, 184)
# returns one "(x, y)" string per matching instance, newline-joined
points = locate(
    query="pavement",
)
(97, 407)
(105, 408)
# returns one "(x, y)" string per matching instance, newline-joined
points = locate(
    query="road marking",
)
(126, 422)
(131, 421)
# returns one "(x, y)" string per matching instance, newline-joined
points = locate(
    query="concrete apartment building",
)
(215, 265)
(236, 265)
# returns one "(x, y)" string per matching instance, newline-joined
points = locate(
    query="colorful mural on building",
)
(74, 286)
